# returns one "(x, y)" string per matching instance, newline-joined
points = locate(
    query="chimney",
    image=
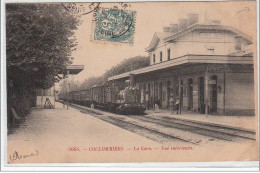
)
(182, 24)
(192, 19)
(166, 29)
(174, 28)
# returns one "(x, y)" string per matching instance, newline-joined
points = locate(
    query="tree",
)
(125, 66)
(39, 42)
(89, 82)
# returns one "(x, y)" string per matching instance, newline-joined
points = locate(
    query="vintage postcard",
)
(130, 82)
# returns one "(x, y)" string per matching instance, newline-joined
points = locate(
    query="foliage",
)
(74, 85)
(39, 41)
(125, 66)
(89, 82)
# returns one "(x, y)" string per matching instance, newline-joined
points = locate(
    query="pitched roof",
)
(208, 27)
(168, 37)
(156, 38)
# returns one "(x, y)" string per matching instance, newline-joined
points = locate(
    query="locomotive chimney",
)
(192, 19)
(182, 24)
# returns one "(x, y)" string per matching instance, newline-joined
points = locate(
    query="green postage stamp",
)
(114, 25)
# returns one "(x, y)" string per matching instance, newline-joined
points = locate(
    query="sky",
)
(151, 17)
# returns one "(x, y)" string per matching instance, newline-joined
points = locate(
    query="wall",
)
(45, 92)
(197, 42)
(195, 90)
(240, 93)
(40, 101)
(195, 78)
(235, 91)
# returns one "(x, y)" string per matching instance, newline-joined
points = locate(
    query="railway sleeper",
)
(207, 130)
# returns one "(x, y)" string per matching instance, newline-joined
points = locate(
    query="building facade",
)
(207, 66)
(45, 97)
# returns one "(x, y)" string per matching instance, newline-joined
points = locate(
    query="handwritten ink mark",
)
(245, 9)
(16, 155)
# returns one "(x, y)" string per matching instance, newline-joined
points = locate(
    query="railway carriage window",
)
(160, 56)
(154, 58)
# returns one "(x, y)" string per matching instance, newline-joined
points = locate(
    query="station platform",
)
(241, 122)
(53, 134)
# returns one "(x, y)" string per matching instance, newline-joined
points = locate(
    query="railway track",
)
(148, 132)
(152, 133)
(227, 130)
(217, 131)
(172, 130)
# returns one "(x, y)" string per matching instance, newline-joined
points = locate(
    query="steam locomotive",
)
(117, 98)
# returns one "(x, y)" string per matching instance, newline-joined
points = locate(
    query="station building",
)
(207, 66)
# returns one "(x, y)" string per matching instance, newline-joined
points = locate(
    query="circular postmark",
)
(81, 8)
(113, 24)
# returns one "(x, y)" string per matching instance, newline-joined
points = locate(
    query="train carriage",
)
(118, 98)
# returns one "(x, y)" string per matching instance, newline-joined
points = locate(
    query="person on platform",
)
(92, 105)
(177, 105)
(171, 103)
(156, 105)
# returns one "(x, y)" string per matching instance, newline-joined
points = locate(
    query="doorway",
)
(168, 84)
(156, 90)
(143, 93)
(201, 95)
(149, 96)
(179, 93)
(160, 92)
(190, 94)
(213, 94)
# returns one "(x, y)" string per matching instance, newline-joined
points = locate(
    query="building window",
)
(154, 58)
(169, 54)
(161, 56)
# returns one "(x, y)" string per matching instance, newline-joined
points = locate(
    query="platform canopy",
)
(74, 69)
